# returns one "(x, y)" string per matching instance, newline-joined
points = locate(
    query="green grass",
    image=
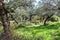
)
(37, 32)
(40, 32)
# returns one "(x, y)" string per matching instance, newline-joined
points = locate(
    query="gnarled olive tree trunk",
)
(6, 24)
(45, 20)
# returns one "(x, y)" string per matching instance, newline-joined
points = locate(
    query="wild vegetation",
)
(29, 19)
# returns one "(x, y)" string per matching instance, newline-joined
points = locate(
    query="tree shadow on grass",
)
(53, 26)
(20, 26)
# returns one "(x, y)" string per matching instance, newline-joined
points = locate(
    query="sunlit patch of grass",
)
(52, 23)
(38, 32)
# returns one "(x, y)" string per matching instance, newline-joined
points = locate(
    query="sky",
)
(37, 3)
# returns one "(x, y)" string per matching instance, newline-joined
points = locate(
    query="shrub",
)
(54, 18)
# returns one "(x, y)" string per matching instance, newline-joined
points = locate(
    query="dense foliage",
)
(31, 19)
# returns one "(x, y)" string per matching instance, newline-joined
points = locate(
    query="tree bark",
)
(6, 24)
(30, 18)
(45, 20)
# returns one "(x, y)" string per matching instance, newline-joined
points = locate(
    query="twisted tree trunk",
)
(45, 20)
(6, 24)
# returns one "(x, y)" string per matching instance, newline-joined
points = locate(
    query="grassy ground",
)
(39, 32)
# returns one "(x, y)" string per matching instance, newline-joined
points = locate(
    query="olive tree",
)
(47, 10)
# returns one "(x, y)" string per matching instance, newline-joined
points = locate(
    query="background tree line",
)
(28, 10)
